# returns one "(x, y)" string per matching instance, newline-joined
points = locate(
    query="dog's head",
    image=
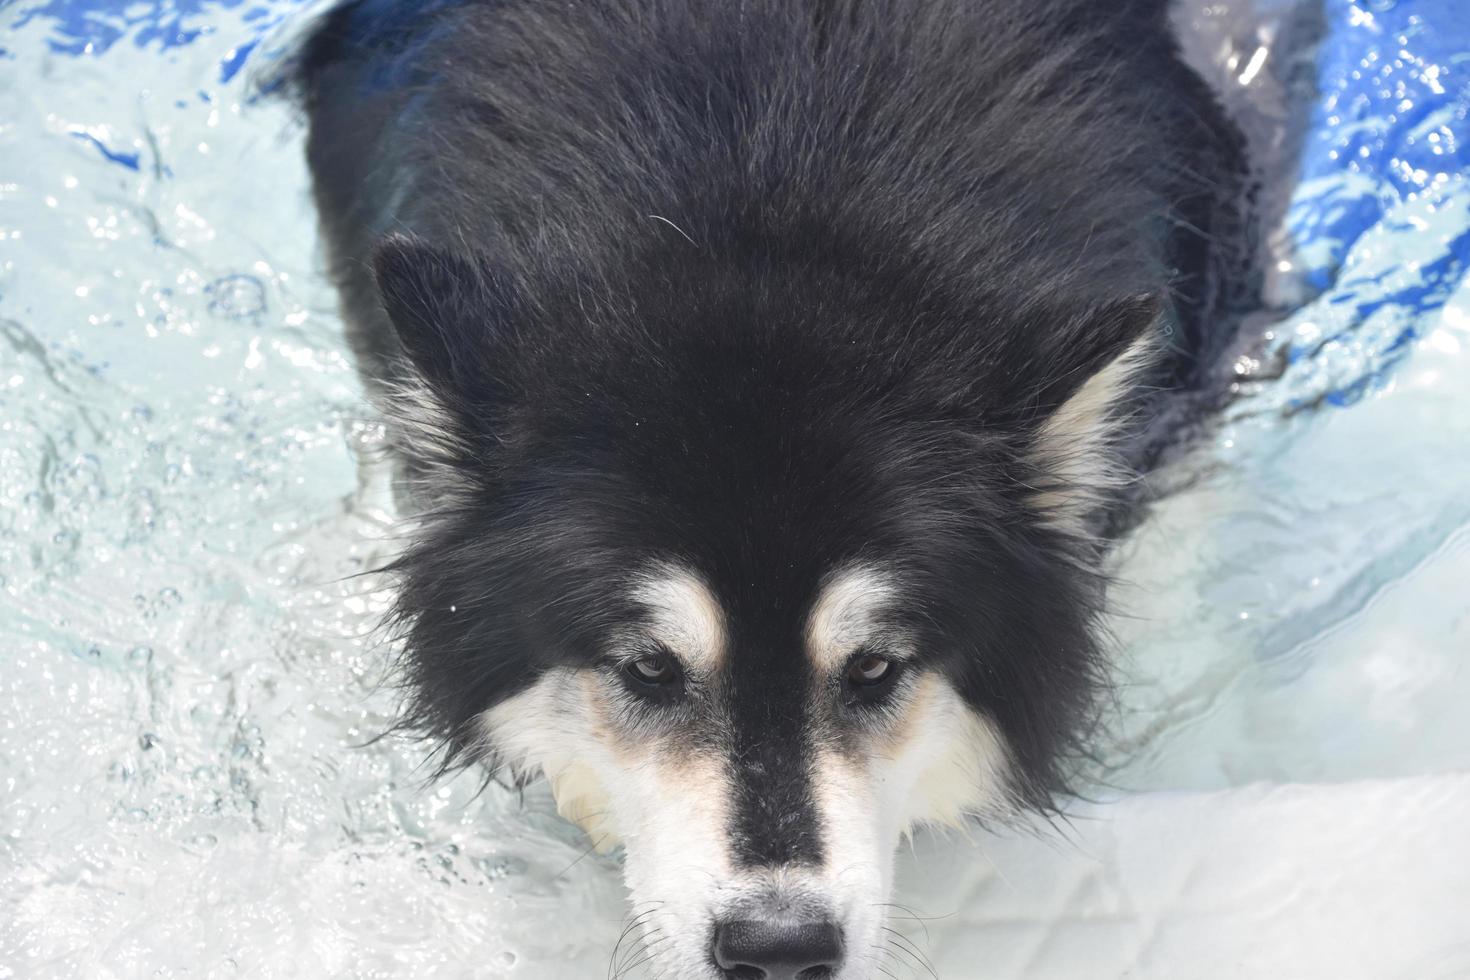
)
(755, 583)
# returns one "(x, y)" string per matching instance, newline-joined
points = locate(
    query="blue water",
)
(1313, 521)
(1387, 151)
(189, 670)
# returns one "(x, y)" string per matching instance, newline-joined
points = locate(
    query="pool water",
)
(190, 509)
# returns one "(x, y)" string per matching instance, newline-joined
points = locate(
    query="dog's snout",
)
(760, 949)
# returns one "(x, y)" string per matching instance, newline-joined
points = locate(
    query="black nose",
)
(755, 949)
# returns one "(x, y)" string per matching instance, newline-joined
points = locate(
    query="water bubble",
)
(496, 868)
(237, 297)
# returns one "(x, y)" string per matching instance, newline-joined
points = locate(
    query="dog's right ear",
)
(447, 310)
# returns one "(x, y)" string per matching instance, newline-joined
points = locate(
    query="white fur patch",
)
(957, 759)
(421, 429)
(1075, 446)
(848, 615)
(668, 803)
(932, 759)
(684, 616)
(547, 730)
(940, 763)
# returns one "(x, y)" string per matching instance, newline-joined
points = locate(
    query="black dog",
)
(765, 376)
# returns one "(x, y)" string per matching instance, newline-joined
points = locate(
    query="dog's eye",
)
(867, 670)
(652, 669)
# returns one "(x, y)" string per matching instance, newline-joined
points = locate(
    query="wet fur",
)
(766, 291)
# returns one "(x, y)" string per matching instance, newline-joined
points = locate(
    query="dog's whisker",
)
(880, 967)
(922, 920)
(902, 943)
(632, 928)
(913, 952)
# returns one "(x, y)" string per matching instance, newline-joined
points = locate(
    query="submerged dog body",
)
(764, 374)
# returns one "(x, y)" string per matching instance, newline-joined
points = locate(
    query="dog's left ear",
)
(1071, 448)
(1092, 349)
(450, 313)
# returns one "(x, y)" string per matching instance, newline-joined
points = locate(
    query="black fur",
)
(765, 286)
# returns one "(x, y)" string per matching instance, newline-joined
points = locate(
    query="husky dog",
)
(767, 378)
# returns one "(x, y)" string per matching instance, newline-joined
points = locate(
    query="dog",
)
(767, 380)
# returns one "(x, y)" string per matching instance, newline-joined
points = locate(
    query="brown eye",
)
(656, 668)
(867, 670)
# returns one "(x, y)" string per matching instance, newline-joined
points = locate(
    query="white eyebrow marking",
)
(684, 615)
(846, 615)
